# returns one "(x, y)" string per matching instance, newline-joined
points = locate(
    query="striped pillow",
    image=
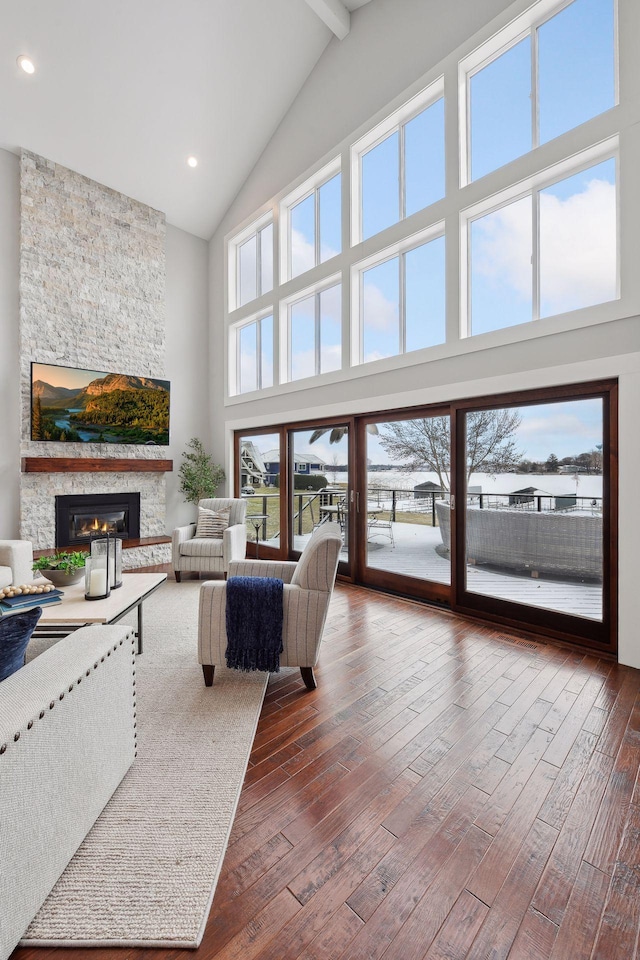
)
(212, 523)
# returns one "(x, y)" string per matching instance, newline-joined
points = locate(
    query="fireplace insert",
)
(79, 517)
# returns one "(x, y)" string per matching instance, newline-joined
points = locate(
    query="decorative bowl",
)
(62, 579)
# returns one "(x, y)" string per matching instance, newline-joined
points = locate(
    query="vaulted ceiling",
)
(125, 90)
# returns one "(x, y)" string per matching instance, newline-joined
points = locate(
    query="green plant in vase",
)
(63, 568)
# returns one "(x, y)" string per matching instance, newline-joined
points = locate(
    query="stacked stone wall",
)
(92, 296)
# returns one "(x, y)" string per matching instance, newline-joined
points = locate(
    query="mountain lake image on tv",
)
(88, 406)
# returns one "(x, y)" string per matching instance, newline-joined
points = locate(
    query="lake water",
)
(85, 433)
(554, 484)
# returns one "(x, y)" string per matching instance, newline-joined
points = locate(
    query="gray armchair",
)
(308, 585)
(206, 554)
(16, 558)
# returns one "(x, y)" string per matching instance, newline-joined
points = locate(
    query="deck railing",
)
(403, 505)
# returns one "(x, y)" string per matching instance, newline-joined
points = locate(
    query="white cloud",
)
(557, 425)
(331, 357)
(327, 252)
(374, 355)
(577, 248)
(247, 370)
(303, 364)
(502, 251)
(379, 312)
(331, 300)
(303, 254)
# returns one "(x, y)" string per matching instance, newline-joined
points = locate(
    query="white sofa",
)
(16, 558)
(67, 738)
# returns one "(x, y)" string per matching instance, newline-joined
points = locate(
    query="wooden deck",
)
(445, 793)
(415, 550)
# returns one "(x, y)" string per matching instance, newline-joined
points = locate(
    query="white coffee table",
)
(73, 612)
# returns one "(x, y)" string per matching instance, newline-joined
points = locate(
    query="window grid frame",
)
(529, 25)
(395, 122)
(295, 197)
(316, 292)
(234, 245)
(532, 188)
(434, 232)
(236, 331)
(441, 82)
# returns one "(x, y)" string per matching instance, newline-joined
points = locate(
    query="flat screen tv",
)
(89, 406)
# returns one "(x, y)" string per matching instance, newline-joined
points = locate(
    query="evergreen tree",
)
(36, 420)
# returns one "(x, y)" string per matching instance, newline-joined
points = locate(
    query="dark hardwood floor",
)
(447, 792)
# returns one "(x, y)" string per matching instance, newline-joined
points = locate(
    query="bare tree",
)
(425, 444)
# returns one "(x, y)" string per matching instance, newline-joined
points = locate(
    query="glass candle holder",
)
(110, 548)
(96, 578)
(115, 548)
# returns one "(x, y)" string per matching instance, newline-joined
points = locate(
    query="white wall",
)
(392, 44)
(9, 336)
(186, 347)
(187, 288)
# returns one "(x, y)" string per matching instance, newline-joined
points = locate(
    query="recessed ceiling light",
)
(192, 161)
(26, 63)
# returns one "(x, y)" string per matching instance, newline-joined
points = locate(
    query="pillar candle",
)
(98, 583)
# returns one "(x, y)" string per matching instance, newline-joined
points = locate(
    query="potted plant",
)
(63, 568)
(199, 475)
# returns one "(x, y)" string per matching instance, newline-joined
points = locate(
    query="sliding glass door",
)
(534, 512)
(319, 483)
(402, 498)
(502, 507)
(259, 482)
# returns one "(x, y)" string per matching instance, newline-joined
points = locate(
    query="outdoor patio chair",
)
(378, 526)
(308, 585)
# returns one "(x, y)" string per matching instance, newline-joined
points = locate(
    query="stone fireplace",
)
(83, 516)
(41, 491)
(92, 296)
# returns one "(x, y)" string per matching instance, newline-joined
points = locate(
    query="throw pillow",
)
(212, 523)
(15, 633)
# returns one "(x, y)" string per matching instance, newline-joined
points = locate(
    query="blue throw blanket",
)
(254, 623)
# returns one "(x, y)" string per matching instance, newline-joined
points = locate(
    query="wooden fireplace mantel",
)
(94, 465)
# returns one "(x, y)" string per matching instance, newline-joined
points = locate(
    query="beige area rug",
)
(146, 873)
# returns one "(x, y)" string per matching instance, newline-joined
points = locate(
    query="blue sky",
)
(565, 429)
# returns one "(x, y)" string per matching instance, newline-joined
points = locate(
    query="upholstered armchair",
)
(210, 554)
(308, 585)
(16, 558)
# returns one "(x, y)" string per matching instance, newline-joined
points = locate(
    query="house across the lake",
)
(306, 463)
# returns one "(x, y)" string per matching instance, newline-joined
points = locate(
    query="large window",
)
(315, 333)
(254, 355)
(546, 253)
(400, 165)
(537, 87)
(312, 216)
(402, 302)
(535, 207)
(251, 263)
